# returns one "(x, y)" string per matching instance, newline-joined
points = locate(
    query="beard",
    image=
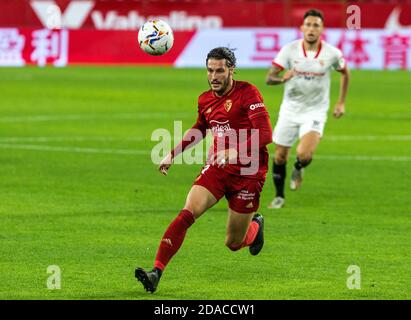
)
(312, 41)
(224, 86)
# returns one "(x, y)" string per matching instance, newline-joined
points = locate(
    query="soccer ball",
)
(155, 37)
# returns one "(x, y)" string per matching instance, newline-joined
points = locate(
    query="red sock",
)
(173, 238)
(249, 237)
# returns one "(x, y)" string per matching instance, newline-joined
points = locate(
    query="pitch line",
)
(141, 138)
(362, 158)
(72, 138)
(369, 138)
(76, 117)
(73, 150)
(148, 152)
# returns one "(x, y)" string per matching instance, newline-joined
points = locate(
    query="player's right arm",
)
(193, 136)
(280, 63)
(273, 76)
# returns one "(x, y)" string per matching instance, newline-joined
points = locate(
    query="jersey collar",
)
(318, 50)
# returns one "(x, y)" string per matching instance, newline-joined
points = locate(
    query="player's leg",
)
(245, 230)
(244, 227)
(305, 150)
(284, 135)
(199, 199)
(205, 192)
(279, 175)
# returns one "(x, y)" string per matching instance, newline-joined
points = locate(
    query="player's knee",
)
(305, 157)
(280, 159)
(193, 211)
(196, 210)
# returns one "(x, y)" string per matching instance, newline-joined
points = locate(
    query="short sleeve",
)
(339, 61)
(282, 58)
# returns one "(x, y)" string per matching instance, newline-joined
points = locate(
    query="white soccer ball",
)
(155, 37)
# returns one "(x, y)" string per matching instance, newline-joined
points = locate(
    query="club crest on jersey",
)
(208, 110)
(228, 104)
(322, 63)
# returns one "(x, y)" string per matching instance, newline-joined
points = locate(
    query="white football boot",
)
(296, 179)
(277, 203)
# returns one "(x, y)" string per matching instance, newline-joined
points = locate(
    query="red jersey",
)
(231, 119)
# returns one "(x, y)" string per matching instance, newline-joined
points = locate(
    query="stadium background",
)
(79, 189)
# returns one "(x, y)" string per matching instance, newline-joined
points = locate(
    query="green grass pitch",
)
(78, 190)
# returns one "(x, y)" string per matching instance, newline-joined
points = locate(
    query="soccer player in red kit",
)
(236, 167)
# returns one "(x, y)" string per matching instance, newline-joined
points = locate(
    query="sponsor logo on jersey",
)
(309, 74)
(257, 105)
(220, 127)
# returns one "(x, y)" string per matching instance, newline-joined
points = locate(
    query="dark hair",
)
(222, 53)
(314, 13)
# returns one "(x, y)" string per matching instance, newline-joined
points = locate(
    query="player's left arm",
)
(342, 68)
(339, 108)
(259, 117)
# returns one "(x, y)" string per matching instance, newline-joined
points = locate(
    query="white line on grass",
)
(73, 150)
(362, 158)
(140, 138)
(127, 116)
(369, 138)
(148, 152)
(76, 117)
(72, 138)
(396, 115)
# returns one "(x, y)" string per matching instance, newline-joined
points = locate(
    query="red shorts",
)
(242, 193)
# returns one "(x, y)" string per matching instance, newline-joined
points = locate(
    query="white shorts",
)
(289, 128)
